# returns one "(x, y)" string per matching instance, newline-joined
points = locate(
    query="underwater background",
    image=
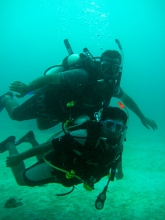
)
(31, 40)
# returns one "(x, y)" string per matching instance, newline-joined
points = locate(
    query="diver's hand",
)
(19, 87)
(13, 160)
(149, 123)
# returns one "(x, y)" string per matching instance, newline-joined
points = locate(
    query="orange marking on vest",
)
(121, 105)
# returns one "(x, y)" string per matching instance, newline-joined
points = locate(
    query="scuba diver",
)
(82, 154)
(81, 84)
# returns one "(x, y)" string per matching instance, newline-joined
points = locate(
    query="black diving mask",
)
(110, 68)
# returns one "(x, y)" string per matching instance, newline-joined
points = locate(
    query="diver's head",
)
(112, 128)
(113, 121)
(110, 64)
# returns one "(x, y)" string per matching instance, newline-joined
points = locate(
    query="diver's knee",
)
(46, 123)
(15, 116)
(12, 117)
(40, 127)
(20, 181)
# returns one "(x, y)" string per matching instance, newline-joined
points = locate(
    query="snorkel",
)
(122, 59)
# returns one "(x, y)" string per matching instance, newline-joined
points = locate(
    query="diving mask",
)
(110, 67)
(113, 126)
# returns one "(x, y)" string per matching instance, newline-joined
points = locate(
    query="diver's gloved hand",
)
(19, 87)
(149, 123)
(13, 160)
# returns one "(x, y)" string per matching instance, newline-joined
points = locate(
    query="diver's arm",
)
(43, 81)
(38, 150)
(52, 77)
(130, 103)
(15, 159)
(38, 83)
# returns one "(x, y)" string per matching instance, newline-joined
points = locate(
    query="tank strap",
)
(93, 129)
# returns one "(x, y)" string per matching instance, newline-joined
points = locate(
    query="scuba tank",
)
(86, 61)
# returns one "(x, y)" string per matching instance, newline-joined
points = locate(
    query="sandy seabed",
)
(139, 195)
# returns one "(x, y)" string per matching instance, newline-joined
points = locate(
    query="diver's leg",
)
(31, 139)
(39, 105)
(7, 102)
(41, 173)
(30, 109)
(33, 108)
(46, 121)
(26, 111)
(19, 169)
(119, 173)
(51, 117)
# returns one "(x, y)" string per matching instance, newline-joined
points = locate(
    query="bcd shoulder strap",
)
(93, 131)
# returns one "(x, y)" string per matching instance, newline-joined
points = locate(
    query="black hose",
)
(64, 194)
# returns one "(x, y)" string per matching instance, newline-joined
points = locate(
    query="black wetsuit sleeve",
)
(118, 92)
(74, 77)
